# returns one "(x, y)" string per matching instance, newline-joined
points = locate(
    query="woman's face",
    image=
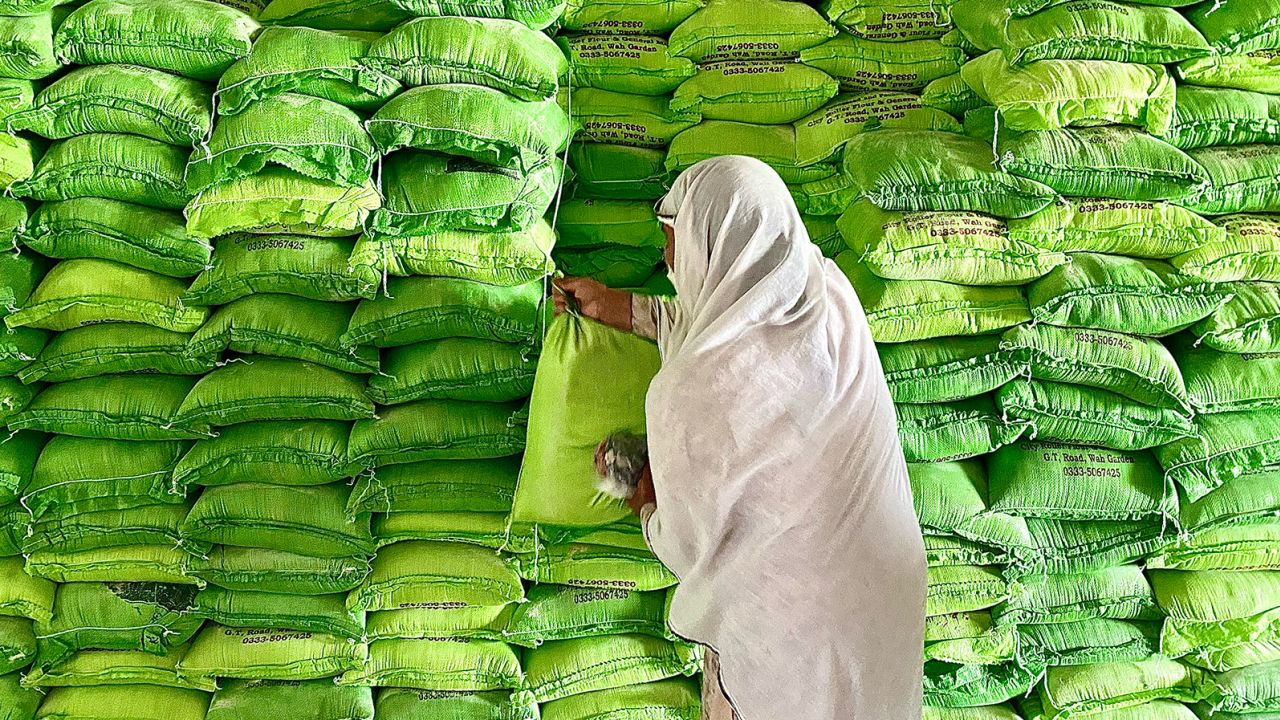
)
(669, 252)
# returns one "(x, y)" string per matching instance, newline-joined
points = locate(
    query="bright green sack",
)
(951, 94)
(537, 14)
(1249, 547)
(618, 171)
(1036, 479)
(620, 119)
(1226, 446)
(280, 201)
(1215, 610)
(1251, 690)
(1087, 642)
(287, 327)
(1238, 26)
(512, 258)
(442, 665)
(1228, 382)
(1114, 686)
(902, 311)
(1076, 31)
(311, 136)
(1257, 71)
(163, 107)
(108, 165)
(563, 613)
(1060, 93)
(19, 703)
(951, 499)
(628, 17)
(954, 431)
(824, 233)
(18, 164)
(22, 595)
(18, 454)
(267, 388)
(326, 614)
(311, 452)
(270, 654)
(891, 21)
(123, 702)
(860, 65)
(822, 136)
(774, 145)
(964, 588)
(307, 520)
(461, 624)
(558, 479)
(199, 40)
(88, 291)
(635, 64)
(417, 309)
(946, 369)
(768, 30)
(978, 685)
(410, 704)
(1140, 369)
(15, 521)
(1241, 179)
(617, 267)
(595, 566)
(1249, 322)
(595, 223)
(453, 369)
(309, 267)
(125, 563)
(136, 235)
(889, 168)
(20, 275)
(79, 475)
(488, 530)
(475, 122)
(262, 570)
(341, 15)
(1117, 227)
(1126, 295)
(271, 699)
(672, 699)
(501, 54)
(145, 525)
(429, 193)
(1206, 117)
(305, 61)
(968, 638)
(424, 574)
(90, 668)
(1066, 546)
(115, 348)
(15, 397)
(1248, 250)
(438, 430)
(1031, 7)
(956, 247)
(439, 486)
(118, 407)
(1253, 497)
(1118, 593)
(27, 51)
(17, 643)
(561, 668)
(765, 92)
(1086, 416)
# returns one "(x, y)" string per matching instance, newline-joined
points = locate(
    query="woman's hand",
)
(645, 494)
(595, 300)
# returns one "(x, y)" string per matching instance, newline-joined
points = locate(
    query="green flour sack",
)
(768, 30)
(1116, 227)
(84, 291)
(439, 430)
(537, 14)
(946, 369)
(635, 64)
(113, 166)
(774, 145)
(1087, 416)
(892, 21)
(440, 664)
(253, 204)
(562, 668)
(436, 575)
(409, 703)
(118, 407)
(1249, 249)
(124, 702)
(307, 520)
(620, 119)
(1091, 641)
(1118, 593)
(24, 596)
(954, 431)
(270, 654)
(951, 94)
(28, 51)
(1240, 179)
(1226, 446)
(369, 15)
(822, 136)
(859, 65)
(261, 570)
(951, 500)
(267, 388)
(596, 566)
(766, 92)
(303, 266)
(438, 486)
(418, 309)
(1227, 382)
(1249, 322)
(268, 699)
(89, 668)
(676, 699)
(1114, 686)
(284, 326)
(80, 475)
(964, 588)
(1205, 117)
(511, 258)
(627, 17)
(454, 369)
(1236, 26)
(618, 172)
(1256, 71)
(315, 613)
(564, 613)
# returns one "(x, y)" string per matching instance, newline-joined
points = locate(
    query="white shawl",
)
(782, 496)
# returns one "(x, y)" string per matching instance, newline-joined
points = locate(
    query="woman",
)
(779, 493)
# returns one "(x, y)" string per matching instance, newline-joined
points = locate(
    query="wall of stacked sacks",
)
(277, 301)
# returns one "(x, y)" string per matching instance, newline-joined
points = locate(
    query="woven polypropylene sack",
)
(503, 258)
(116, 348)
(1253, 71)
(1117, 227)
(1119, 593)
(628, 17)
(596, 566)
(951, 94)
(1249, 322)
(197, 39)
(305, 266)
(636, 64)
(155, 524)
(774, 145)
(418, 309)
(280, 201)
(1246, 499)
(1249, 249)
(136, 235)
(562, 668)
(1066, 546)
(955, 431)
(596, 223)
(439, 664)
(563, 613)
(946, 369)
(89, 668)
(266, 388)
(1253, 689)
(312, 452)
(410, 703)
(120, 407)
(1211, 611)
(979, 685)
(501, 54)
(124, 702)
(82, 292)
(454, 369)
(1205, 117)
(892, 21)
(270, 654)
(1108, 686)
(28, 52)
(22, 595)
(263, 570)
(618, 118)
(951, 500)
(424, 574)
(269, 699)
(821, 136)
(439, 486)
(860, 65)
(80, 475)
(284, 326)
(1088, 416)
(1227, 382)
(1226, 446)
(306, 520)
(768, 30)
(249, 609)
(964, 588)
(439, 430)
(1237, 26)
(536, 14)
(616, 267)
(1240, 179)
(124, 563)
(767, 92)
(1091, 641)
(18, 456)
(121, 99)
(342, 15)
(18, 157)
(113, 166)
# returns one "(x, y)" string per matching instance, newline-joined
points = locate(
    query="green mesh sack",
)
(635, 64)
(1252, 690)
(766, 92)
(439, 664)
(563, 613)
(618, 171)
(24, 596)
(1205, 117)
(440, 486)
(270, 654)
(774, 145)
(1248, 250)
(488, 530)
(27, 51)
(859, 64)
(946, 369)
(438, 430)
(892, 21)
(951, 498)
(1118, 227)
(1228, 382)
(428, 193)
(136, 235)
(956, 247)
(87, 291)
(287, 327)
(277, 200)
(1140, 369)
(80, 475)
(453, 369)
(124, 702)
(424, 574)
(418, 309)
(1118, 593)
(199, 40)
(501, 54)
(509, 258)
(672, 699)
(151, 617)
(1127, 295)
(266, 388)
(822, 136)
(1037, 479)
(262, 570)
(1235, 26)
(115, 348)
(901, 311)
(307, 520)
(303, 266)
(342, 15)
(616, 118)
(1240, 179)
(247, 609)
(305, 61)
(1216, 610)
(1249, 321)
(314, 137)
(627, 17)
(595, 566)
(121, 99)
(1087, 642)
(1119, 162)
(768, 30)
(1112, 686)
(269, 699)
(1249, 547)
(144, 525)
(951, 94)
(1059, 93)
(956, 430)
(117, 407)
(89, 668)
(561, 668)
(1087, 416)
(473, 121)
(956, 173)
(125, 563)
(964, 588)
(311, 452)
(1257, 71)
(1253, 497)
(1100, 31)
(113, 166)
(1226, 446)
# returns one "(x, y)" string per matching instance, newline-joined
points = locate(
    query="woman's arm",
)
(594, 300)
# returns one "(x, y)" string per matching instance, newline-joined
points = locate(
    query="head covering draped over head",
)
(782, 496)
